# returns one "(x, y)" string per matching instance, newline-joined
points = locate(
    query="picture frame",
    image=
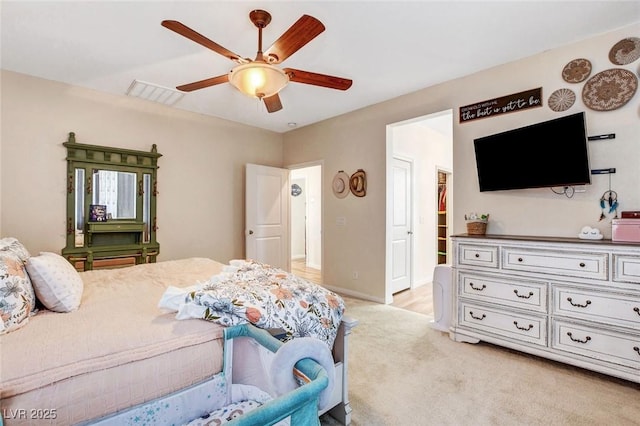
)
(97, 213)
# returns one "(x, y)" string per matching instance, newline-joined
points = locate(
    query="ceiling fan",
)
(260, 78)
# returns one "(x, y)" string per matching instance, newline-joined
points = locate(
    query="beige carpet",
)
(402, 372)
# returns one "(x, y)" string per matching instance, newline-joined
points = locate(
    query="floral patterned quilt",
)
(267, 297)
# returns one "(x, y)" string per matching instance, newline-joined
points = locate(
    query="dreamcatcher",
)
(609, 203)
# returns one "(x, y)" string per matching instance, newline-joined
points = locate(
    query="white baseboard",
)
(355, 294)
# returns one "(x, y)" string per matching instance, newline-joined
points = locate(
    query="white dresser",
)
(570, 300)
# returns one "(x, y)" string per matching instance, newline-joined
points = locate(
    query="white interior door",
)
(402, 222)
(298, 217)
(267, 215)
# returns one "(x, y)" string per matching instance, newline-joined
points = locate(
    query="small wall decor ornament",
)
(340, 184)
(358, 183)
(625, 51)
(609, 203)
(561, 100)
(577, 70)
(296, 190)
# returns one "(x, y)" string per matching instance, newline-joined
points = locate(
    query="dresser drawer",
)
(114, 226)
(565, 263)
(600, 344)
(526, 294)
(525, 328)
(626, 268)
(478, 255)
(606, 307)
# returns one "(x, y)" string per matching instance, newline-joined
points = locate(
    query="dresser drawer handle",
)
(582, 264)
(520, 259)
(577, 305)
(522, 328)
(479, 288)
(523, 296)
(586, 339)
(637, 349)
(477, 318)
(636, 310)
(477, 255)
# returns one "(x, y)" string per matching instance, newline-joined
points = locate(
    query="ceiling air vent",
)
(153, 92)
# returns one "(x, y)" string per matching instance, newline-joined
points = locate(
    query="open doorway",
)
(427, 142)
(306, 221)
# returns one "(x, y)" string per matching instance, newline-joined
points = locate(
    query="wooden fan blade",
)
(273, 103)
(300, 33)
(204, 83)
(187, 32)
(316, 79)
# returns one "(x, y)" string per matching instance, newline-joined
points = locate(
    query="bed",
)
(119, 351)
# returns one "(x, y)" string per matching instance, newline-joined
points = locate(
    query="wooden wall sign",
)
(510, 103)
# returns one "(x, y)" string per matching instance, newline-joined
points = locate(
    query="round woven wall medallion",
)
(625, 51)
(576, 71)
(610, 89)
(561, 100)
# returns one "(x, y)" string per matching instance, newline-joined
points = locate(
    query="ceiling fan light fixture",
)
(258, 79)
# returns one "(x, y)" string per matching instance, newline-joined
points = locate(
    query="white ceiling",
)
(388, 48)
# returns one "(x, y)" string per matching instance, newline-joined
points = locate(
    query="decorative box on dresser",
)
(570, 300)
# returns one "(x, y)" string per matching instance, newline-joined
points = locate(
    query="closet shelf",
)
(442, 239)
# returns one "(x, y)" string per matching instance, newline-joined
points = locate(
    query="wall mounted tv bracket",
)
(602, 137)
(603, 171)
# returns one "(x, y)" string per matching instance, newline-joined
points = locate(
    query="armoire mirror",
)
(117, 191)
(111, 205)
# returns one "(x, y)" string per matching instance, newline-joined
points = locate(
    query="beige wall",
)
(357, 140)
(201, 208)
(351, 142)
(200, 180)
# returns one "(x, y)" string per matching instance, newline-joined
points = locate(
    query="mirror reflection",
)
(115, 190)
(146, 207)
(79, 208)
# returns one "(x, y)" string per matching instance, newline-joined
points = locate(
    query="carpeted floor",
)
(402, 372)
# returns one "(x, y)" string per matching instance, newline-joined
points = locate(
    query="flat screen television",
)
(552, 153)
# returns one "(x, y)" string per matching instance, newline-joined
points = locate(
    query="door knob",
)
(250, 232)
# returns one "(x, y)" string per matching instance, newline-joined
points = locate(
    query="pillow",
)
(56, 282)
(17, 298)
(12, 245)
